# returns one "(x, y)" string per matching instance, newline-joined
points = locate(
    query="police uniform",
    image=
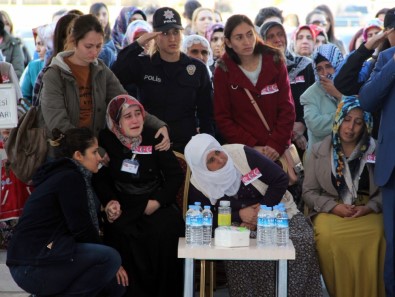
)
(179, 93)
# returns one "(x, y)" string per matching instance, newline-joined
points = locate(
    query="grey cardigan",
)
(319, 193)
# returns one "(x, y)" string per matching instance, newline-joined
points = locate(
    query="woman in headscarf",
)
(320, 100)
(300, 74)
(197, 47)
(145, 182)
(217, 173)
(43, 39)
(136, 29)
(126, 16)
(215, 35)
(346, 204)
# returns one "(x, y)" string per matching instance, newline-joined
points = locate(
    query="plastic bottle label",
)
(196, 221)
(224, 219)
(282, 223)
(207, 221)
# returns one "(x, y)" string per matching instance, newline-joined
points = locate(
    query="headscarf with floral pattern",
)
(114, 112)
(344, 107)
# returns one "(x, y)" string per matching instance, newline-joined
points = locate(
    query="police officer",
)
(172, 86)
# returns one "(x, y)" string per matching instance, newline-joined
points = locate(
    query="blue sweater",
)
(29, 78)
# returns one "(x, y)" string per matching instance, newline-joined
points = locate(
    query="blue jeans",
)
(388, 192)
(91, 270)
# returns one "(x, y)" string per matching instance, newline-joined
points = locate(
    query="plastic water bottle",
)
(224, 213)
(265, 226)
(196, 226)
(275, 212)
(199, 205)
(188, 224)
(207, 225)
(282, 227)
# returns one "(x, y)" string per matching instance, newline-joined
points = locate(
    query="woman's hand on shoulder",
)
(122, 277)
(113, 210)
(164, 145)
(152, 206)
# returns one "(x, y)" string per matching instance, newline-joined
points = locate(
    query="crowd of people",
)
(231, 95)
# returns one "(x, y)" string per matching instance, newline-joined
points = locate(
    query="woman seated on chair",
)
(145, 182)
(216, 175)
(340, 193)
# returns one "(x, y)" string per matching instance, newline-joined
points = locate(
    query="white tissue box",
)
(231, 236)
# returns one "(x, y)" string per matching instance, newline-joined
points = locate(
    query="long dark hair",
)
(329, 18)
(82, 26)
(94, 9)
(71, 141)
(62, 30)
(260, 47)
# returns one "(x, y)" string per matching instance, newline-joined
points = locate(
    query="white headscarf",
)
(190, 40)
(213, 184)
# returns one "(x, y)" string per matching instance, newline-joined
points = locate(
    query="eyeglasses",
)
(204, 53)
(319, 23)
(172, 32)
(322, 68)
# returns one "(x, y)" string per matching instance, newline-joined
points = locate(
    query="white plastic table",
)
(252, 252)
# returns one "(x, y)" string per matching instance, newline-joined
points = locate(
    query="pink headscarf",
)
(114, 112)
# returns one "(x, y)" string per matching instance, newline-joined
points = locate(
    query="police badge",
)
(191, 69)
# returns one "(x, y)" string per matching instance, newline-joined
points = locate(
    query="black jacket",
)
(178, 93)
(159, 177)
(347, 78)
(56, 215)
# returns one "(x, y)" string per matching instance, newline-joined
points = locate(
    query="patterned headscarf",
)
(344, 107)
(121, 24)
(135, 27)
(331, 53)
(295, 63)
(114, 112)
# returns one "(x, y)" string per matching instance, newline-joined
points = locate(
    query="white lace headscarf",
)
(190, 40)
(213, 184)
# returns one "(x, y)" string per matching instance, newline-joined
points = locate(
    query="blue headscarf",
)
(347, 104)
(331, 53)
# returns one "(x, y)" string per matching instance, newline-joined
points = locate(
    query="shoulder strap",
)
(253, 102)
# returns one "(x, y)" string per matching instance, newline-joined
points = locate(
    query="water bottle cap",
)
(191, 206)
(224, 203)
(198, 203)
(207, 207)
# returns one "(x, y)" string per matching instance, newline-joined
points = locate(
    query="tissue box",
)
(231, 236)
